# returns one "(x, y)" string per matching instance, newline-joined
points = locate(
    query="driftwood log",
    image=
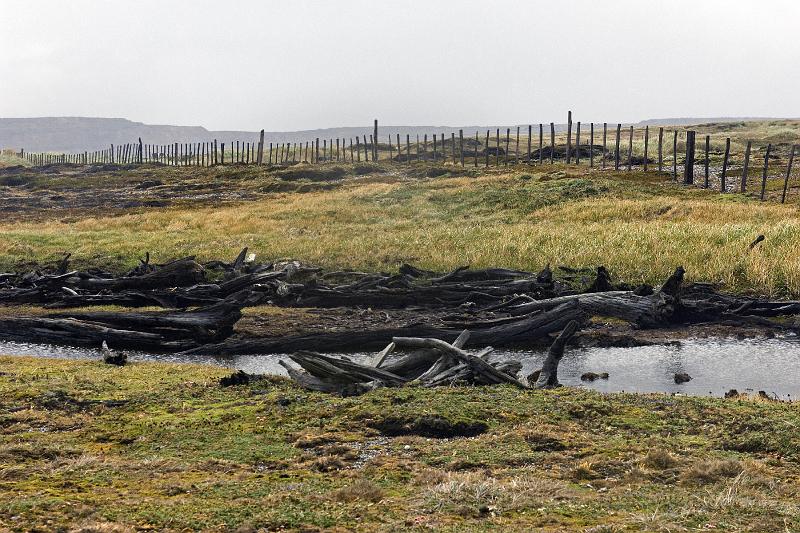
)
(548, 375)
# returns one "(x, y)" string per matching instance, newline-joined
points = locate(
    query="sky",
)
(306, 64)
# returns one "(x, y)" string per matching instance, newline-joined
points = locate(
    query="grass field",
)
(179, 452)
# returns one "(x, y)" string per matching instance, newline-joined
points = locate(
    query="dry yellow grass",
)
(639, 226)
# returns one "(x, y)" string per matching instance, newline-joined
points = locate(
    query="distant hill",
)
(76, 134)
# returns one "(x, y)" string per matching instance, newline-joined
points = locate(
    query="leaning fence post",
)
(764, 175)
(722, 186)
(743, 184)
(688, 168)
(788, 173)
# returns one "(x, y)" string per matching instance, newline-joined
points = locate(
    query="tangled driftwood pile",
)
(429, 363)
(202, 303)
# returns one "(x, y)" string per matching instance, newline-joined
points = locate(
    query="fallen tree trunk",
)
(527, 330)
(161, 331)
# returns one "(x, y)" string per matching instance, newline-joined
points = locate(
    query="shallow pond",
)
(716, 365)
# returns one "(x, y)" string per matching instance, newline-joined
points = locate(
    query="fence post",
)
(530, 140)
(569, 136)
(675, 155)
(552, 141)
(260, 155)
(616, 149)
(578, 143)
(630, 148)
(140, 151)
(541, 140)
(497, 152)
(486, 150)
(516, 150)
(722, 186)
(764, 175)
(788, 173)
(399, 150)
(646, 142)
(688, 169)
(660, 149)
(591, 145)
(743, 185)
(477, 144)
(508, 143)
(461, 146)
(605, 146)
(375, 141)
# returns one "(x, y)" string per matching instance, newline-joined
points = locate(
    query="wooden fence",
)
(494, 149)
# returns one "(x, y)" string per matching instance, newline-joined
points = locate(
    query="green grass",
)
(183, 453)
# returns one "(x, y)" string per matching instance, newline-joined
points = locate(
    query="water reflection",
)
(716, 365)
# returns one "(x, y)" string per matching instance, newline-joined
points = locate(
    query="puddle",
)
(715, 365)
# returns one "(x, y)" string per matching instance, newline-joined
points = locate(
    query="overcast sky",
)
(289, 65)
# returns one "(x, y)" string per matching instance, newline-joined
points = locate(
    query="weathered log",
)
(179, 273)
(338, 369)
(645, 311)
(525, 331)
